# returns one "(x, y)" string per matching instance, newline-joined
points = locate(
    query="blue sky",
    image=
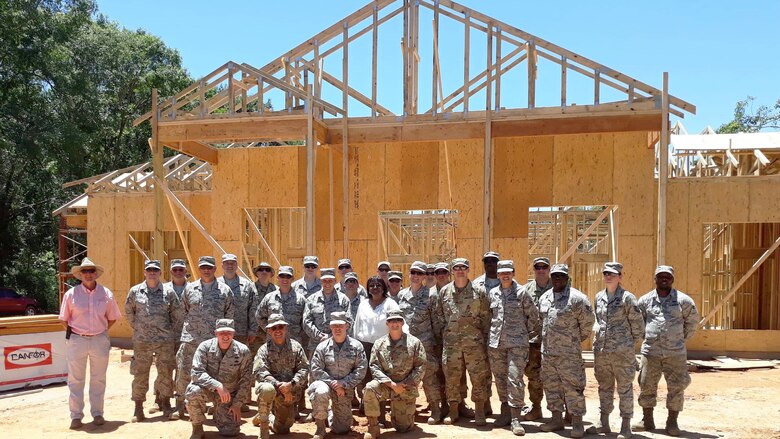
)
(716, 52)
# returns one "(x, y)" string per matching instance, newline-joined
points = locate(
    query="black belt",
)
(85, 335)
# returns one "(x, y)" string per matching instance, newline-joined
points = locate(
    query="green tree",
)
(71, 83)
(748, 120)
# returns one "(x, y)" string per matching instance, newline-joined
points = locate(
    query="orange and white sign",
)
(33, 359)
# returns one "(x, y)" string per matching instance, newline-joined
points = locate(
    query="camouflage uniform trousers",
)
(507, 365)
(141, 364)
(184, 366)
(674, 370)
(253, 347)
(564, 382)
(616, 367)
(272, 407)
(197, 397)
(159, 381)
(533, 370)
(402, 406)
(340, 417)
(473, 359)
(464, 388)
(430, 381)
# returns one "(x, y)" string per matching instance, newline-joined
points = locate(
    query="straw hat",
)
(86, 263)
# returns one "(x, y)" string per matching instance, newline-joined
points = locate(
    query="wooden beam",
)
(585, 234)
(310, 172)
(256, 128)
(487, 171)
(138, 247)
(741, 281)
(195, 149)
(531, 74)
(374, 63)
(663, 172)
(158, 246)
(182, 236)
(262, 237)
(345, 144)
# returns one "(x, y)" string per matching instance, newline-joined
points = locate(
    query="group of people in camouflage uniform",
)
(222, 338)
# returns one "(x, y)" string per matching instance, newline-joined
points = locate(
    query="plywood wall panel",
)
(719, 200)
(466, 172)
(367, 188)
(582, 170)
(419, 176)
(515, 249)
(230, 189)
(764, 199)
(678, 227)
(272, 176)
(639, 263)
(522, 178)
(633, 185)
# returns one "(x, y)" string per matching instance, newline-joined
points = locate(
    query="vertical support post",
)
(374, 56)
(331, 206)
(612, 240)
(596, 86)
(414, 31)
(663, 164)
(202, 97)
(317, 76)
(466, 44)
(345, 141)
(231, 90)
(497, 99)
(159, 173)
(435, 67)
(260, 101)
(564, 71)
(531, 74)
(488, 154)
(309, 172)
(405, 42)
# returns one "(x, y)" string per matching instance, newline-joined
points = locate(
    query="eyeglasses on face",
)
(395, 281)
(459, 268)
(277, 327)
(440, 272)
(310, 266)
(285, 276)
(89, 270)
(265, 270)
(384, 270)
(153, 270)
(540, 267)
(345, 267)
(351, 281)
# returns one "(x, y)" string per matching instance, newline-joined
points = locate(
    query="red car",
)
(12, 302)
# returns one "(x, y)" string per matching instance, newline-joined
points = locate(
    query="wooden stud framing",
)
(310, 144)
(531, 74)
(345, 142)
(159, 198)
(487, 198)
(663, 172)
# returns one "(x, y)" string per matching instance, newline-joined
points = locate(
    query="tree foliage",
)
(749, 120)
(71, 83)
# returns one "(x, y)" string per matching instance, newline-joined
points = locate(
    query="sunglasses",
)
(265, 270)
(438, 272)
(89, 270)
(151, 269)
(395, 281)
(559, 275)
(384, 270)
(430, 274)
(345, 267)
(277, 327)
(608, 274)
(285, 276)
(310, 266)
(351, 281)
(178, 269)
(460, 268)
(416, 273)
(541, 267)
(207, 267)
(372, 286)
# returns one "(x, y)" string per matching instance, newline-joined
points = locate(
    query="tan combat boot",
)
(504, 418)
(479, 414)
(197, 431)
(602, 425)
(452, 416)
(157, 406)
(517, 427)
(465, 411)
(647, 423)
(671, 424)
(435, 417)
(138, 414)
(555, 423)
(577, 429)
(532, 413)
(373, 428)
(488, 408)
(320, 433)
(625, 429)
(264, 430)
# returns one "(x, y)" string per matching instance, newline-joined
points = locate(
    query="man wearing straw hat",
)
(89, 310)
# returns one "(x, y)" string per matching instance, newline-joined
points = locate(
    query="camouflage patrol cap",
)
(490, 255)
(207, 261)
(506, 266)
(460, 261)
(262, 265)
(311, 260)
(153, 263)
(225, 325)
(383, 264)
(560, 268)
(395, 275)
(430, 268)
(664, 269)
(350, 275)
(338, 318)
(286, 269)
(613, 267)
(418, 266)
(542, 260)
(443, 266)
(395, 314)
(344, 261)
(227, 257)
(275, 320)
(178, 263)
(327, 273)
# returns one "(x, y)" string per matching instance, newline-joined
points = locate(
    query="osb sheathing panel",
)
(104, 231)
(322, 192)
(764, 199)
(270, 176)
(369, 170)
(466, 171)
(582, 169)
(720, 200)
(515, 249)
(230, 190)
(639, 263)
(200, 206)
(678, 234)
(419, 176)
(633, 185)
(523, 178)
(735, 340)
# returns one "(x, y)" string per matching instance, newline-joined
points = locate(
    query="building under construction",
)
(473, 159)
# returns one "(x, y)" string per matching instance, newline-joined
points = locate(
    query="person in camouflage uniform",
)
(309, 283)
(487, 280)
(619, 325)
(221, 375)
(514, 319)
(263, 285)
(351, 287)
(204, 302)
(464, 311)
(567, 321)
(153, 311)
(395, 280)
(344, 268)
(337, 367)
(397, 364)
(319, 307)
(419, 305)
(281, 370)
(383, 271)
(533, 369)
(670, 320)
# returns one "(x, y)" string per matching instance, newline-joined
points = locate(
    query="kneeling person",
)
(397, 364)
(281, 370)
(221, 374)
(337, 367)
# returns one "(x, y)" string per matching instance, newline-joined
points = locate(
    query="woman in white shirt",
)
(370, 321)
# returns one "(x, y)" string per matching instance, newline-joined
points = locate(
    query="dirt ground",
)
(718, 405)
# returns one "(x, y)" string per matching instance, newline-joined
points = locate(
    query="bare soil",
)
(725, 404)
